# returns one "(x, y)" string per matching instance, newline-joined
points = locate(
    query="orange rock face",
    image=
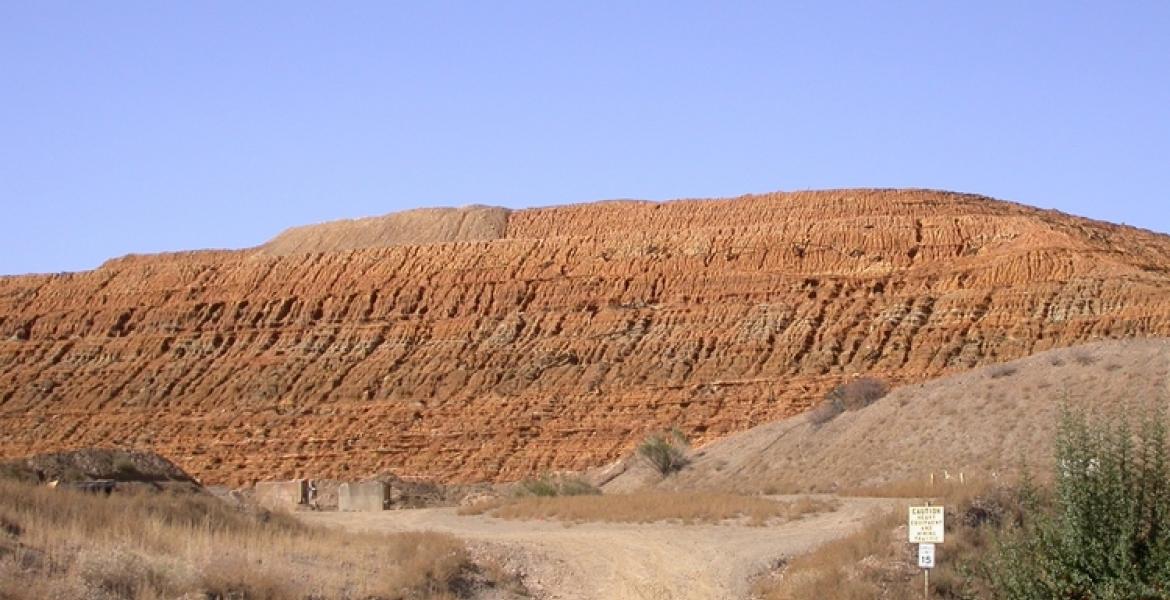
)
(556, 340)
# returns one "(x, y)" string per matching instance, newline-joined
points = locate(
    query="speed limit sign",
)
(926, 556)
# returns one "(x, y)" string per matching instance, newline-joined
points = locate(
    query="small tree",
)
(665, 452)
(1107, 534)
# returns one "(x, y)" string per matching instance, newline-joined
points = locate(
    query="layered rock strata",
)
(558, 338)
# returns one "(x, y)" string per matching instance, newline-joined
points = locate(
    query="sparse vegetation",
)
(921, 487)
(1084, 358)
(66, 544)
(649, 507)
(853, 395)
(1105, 530)
(841, 569)
(824, 412)
(1100, 530)
(126, 470)
(878, 562)
(1001, 371)
(548, 486)
(665, 452)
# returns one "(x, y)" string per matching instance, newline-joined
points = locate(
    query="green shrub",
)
(1107, 532)
(665, 452)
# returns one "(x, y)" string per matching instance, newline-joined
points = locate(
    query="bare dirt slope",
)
(978, 423)
(412, 227)
(599, 561)
(559, 344)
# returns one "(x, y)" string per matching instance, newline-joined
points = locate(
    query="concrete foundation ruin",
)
(285, 495)
(363, 496)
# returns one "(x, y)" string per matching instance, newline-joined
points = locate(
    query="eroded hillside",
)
(557, 344)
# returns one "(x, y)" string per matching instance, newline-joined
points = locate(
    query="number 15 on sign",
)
(925, 556)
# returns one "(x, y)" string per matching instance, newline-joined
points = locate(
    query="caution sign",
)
(926, 525)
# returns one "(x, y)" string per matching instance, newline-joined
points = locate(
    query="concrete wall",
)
(364, 496)
(282, 494)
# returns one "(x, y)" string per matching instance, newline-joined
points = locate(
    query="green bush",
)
(665, 452)
(1106, 532)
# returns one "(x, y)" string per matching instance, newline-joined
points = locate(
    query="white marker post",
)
(926, 563)
(926, 529)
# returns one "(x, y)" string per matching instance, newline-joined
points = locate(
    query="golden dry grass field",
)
(57, 544)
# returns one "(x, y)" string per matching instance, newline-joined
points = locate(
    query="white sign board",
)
(926, 525)
(926, 556)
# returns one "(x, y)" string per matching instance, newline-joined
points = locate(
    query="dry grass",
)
(555, 485)
(64, 544)
(649, 507)
(879, 562)
(922, 487)
(839, 569)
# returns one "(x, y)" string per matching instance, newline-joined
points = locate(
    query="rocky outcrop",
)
(92, 465)
(560, 342)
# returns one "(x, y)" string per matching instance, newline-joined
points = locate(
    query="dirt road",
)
(617, 561)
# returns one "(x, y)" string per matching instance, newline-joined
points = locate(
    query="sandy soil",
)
(981, 422)
(607, 561)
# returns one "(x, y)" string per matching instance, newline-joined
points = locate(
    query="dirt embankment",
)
(558, 345)
(981, 425)
(408, 228)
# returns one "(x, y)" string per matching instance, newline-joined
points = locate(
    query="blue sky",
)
(142, 127)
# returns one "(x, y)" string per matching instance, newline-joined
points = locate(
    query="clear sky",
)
(141, 127)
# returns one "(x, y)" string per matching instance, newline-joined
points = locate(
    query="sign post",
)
(926, 563)
(925, 527)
